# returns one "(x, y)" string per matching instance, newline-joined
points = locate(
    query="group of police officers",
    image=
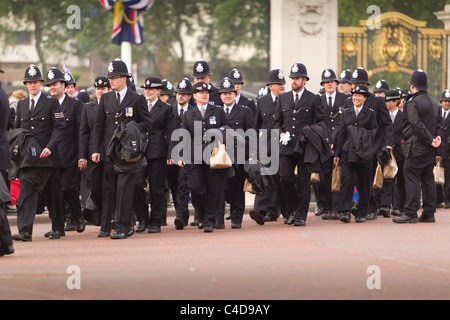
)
(345, 127)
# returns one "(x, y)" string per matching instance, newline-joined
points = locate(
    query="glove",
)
(285, 138)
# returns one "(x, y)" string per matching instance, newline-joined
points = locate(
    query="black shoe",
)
(61, 233)
(258, 217)
(154, 229)
(141, 227)
(103, 234)
(81, 225)
(396, 213)
(55, 235)
(385, 212)
(70, 227)
(118, 235)
(423, 218)
(319, 211)
(360, 219)
(372, 216)
(270, 218)
(328, 216)
(22, 236)
(228, 216)
(236, 225)
(179, 224)
(346, 217)
(335, 215)
(130, 232)
(220, 225)
(208, 229)
(404, 219)
(291, 219)
(299, 223)
(6, 251)
(200, 225)
(194, 223)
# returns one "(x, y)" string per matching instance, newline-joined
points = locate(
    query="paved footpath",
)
(324, 260)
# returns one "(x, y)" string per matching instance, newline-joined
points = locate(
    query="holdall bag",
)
(315, 178)
(439, 174)
(220, 158)
(391, 168)
(336, 179)
(378, 180)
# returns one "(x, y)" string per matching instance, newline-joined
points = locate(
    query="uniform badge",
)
(67, 77)
(379, 84)
(236, 74)
(128, 112)
(111, 68)
(51, 75)
(327, 74)
(280, 75)
(200, 68)
(447, 94)
(355, 74)
(226, 84)
(183, 84)
(212, 120)
(32, 71)
(295, 68)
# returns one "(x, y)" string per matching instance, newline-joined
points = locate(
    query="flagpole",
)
(126, 54)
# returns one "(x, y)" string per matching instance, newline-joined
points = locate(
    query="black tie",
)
(32, 106)
(296, 98)
(276, 101)
(118, 99)
(228, 111)
(330, 102)
(181, 112)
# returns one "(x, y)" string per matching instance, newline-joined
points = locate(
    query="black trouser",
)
(70, 184)
(94, 174)
(28, 203)
(207, 186)
(236, 193)
(393, 191)
(418, 172)
(296, 191)
(177, 179)
(117, 199)
(355, 174)
(325, 198)
(157, 175)
(5, 231)
(268, 201)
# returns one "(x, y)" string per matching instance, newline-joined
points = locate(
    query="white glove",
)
(284, 139)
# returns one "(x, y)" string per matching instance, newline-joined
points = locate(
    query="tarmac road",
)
(324, 260)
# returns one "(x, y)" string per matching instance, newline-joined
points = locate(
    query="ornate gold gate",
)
(393, 52)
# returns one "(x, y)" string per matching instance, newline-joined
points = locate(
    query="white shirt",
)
(200, 107)
(394, 114)
(274, 98)
(237, 98)
(357, 110)
(122, 94)
(36, 99)
(333, 98)
(229, 109)
(62, 100)
(444, 113)
(179, 108)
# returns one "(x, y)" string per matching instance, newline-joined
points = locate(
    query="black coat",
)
(72, 109)
(293, 118)
(333, 114)
(110, 115)
(249, 103)
(265, 114)
(356, 135)
(242, 118)
(87, 129)
(385, 132)
(5, 161)
(422, 124)
(215, 118)
(46, 123)
(163, 123)
(398, 136)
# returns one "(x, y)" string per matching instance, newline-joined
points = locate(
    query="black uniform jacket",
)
(72, 109)
(246, 102)
(423, 123)
(333, 114)
(241, 117)
(46, 123)
(385, 133)
(292, 118)
(163, 122)
(87, 129)
(398, 136)
(356, 134)
(110, 115)
(5, 160)
(215, 118)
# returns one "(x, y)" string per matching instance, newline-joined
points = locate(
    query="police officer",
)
(202, 73)
(358, 124)
(42, 116)
(177, 177)
(6, 243)
(345, 85)
(421, 132)
(394, 188)
(162, 117)
(120, 105)
(93, 170)
(70, 174)
(167, 94)
(443, 192)
(333, 102)
(385, 131)
(71, 84)
(380, 88)
(206, 184)
(267, 204)
(295, 110)
(236, 76)
(240, 118)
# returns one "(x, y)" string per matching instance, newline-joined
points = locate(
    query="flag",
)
(128, 20)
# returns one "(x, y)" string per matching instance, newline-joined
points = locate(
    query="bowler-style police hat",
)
(227, 85)
(381, 86)
(201, 69)
(32, 73)
(419, 80)
(118, 68)
(328, 75)
(360, 76)
(102, 82)
(299, 70)
(346, 76)
(276, 76)
(184, 86)
(236, 76)
(55, 75)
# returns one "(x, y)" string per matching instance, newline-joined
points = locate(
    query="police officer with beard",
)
(421, 133)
